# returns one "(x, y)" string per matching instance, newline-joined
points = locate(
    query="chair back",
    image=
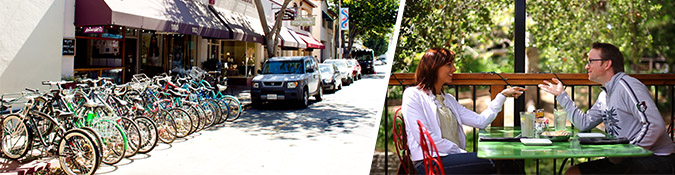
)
(433, 165)
(401, 144)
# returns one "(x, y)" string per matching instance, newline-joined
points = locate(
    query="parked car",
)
(346, 72)
(366, 58)
(331, 77)
(287, 79)
(356, 68)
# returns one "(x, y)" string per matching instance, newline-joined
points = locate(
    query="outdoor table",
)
(565, 149)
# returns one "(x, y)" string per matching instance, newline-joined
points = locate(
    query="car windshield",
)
(363, 55)
(325, 68)
(340, 64)
(282, 67)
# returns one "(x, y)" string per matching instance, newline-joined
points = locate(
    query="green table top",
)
(565, 149)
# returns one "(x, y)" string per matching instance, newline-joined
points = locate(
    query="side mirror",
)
(259, 71)
(310, 70)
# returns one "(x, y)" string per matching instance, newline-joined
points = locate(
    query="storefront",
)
(241, 55)
(117, 38)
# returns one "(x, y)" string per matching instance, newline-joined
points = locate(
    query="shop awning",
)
(179, 16)
(286, 39)
(301, 43)
(244, 28)
(310, 41)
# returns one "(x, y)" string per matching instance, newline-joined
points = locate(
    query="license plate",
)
(271, 96)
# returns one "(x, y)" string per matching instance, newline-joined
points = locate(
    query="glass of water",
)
(560, 117)
(527, 124)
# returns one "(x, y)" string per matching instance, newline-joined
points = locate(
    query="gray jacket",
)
(628, 110)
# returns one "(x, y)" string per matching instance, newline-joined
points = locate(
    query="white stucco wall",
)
(30, 44)
(68, 61)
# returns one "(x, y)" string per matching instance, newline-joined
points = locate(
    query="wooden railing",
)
(497, 82)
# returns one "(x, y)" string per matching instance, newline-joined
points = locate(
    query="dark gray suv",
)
(287, 79)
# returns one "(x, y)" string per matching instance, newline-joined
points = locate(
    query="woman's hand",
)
(555, 89)
(514, 92)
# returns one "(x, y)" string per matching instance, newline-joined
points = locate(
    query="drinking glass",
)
(527, 124)
(560, 117)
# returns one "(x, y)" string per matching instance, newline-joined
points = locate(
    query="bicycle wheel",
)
(43, 126)
(148, 134)
(224, 110)
(16, 137)
(114, 140)
(235, 107)
(210, 111)
(97, 141)
(194, 116)
(166, 128)
(183, 122)
(77, 153)
(133, 135)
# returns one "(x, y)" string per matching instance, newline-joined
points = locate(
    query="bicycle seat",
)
(62, 114)
(221, 87)
(176, 94)
(123, 103)
(8, 100)
(91, 104)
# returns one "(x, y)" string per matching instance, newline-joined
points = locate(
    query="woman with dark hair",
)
(444, 116)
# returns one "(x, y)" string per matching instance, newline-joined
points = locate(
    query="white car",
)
(346, 72)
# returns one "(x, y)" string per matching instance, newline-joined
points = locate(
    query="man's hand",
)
(555, 89)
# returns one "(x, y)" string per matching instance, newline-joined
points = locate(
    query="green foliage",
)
(564, 30)
(560, 32)
(373, 18)
(378, 43)
(465, 27)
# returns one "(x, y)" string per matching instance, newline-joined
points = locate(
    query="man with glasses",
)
(626, 108)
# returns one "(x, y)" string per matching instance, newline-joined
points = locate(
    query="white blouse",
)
(422, 105)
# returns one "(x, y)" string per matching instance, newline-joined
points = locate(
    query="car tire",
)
(339, 87)
(304, 101)
(256, 103)
(319, 95)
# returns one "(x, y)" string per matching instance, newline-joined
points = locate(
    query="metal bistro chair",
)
(401, 144)
(432, 164)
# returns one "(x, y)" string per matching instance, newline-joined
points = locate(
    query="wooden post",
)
(494, 90)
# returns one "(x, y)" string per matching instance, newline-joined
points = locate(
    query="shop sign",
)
(93, 29)
(304, 21)
(114, 36)
(344, 18)
(68, 47)
(288, 15)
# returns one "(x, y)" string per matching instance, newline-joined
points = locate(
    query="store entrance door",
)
(131, 59)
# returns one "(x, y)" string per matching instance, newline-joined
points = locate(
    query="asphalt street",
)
(333, 136)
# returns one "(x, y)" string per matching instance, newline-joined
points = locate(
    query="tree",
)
(372, 17)
(377, 43)
(467, 27)
(561, 31)
(271, 35)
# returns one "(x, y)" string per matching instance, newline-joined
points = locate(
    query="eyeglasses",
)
(591, 60)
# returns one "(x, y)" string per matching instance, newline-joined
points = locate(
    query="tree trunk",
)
(271, 36)
(352, 36)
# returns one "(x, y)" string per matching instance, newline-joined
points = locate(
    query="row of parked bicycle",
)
(99, 121)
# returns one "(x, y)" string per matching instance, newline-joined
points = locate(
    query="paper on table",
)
(591, 135)
(536, 142)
